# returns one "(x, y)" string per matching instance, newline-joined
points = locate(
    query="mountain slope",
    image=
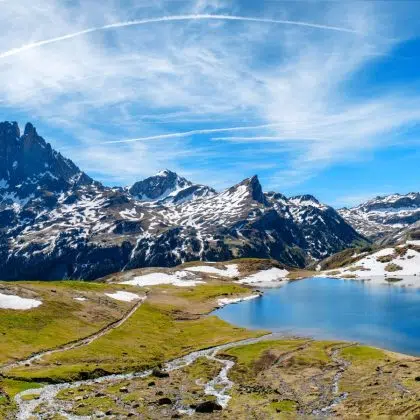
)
(56, 222)
(393, 264)
(384, 216)
(166, 187)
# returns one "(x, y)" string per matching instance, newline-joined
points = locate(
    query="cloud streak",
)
(279, 95)
(191, 133)
(180, 18)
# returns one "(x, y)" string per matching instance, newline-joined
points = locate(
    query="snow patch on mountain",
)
(265, 277)
(17, 302)
(179, 278)
(399, 265)
(227, 301)
(231, 270)
(385, 215)
(167, 188)
(123, 296)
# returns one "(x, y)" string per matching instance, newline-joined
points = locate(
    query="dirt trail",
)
(78, 343)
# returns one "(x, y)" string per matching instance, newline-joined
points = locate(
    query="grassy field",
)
(272, 378)
(166, 326)
(60, 319)
(279, 379)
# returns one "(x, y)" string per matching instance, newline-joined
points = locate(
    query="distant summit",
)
(30, 168)
(384, 215)
(167, 187)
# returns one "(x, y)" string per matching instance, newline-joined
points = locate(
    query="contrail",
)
(191, 133)
(184, 134)
(37, 44)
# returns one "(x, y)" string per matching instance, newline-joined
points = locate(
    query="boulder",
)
(208, 407)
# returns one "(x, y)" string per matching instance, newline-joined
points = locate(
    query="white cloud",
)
(164, 89)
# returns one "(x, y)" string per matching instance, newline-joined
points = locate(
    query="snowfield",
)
(384, 267)
(16, 302)
(179, 278)
(226, 301)
(265, 277)
(124, 296)
(231, 270)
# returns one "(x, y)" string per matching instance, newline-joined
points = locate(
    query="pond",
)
(322, 308)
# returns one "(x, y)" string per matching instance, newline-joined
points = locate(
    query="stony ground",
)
(271, 379)
(266, 377)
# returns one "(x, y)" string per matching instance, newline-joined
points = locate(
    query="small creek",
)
(219, 386)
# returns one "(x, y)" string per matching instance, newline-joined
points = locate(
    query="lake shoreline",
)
(316, 332)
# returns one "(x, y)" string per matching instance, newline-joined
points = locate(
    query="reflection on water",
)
(379, 315)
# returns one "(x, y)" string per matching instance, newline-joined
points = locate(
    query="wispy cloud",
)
(125, 90)
(180, 18)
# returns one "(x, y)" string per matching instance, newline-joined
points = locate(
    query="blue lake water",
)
(378, 315)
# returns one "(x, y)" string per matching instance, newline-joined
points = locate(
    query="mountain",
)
(30, 168)
(384, 216)
(167, 187)
(58, 223)
(411, 232)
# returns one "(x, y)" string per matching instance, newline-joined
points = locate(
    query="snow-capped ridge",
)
(55, 222)
(165, 172)
(167, 187)
(249, 186)
(384, 216)
(306, 200)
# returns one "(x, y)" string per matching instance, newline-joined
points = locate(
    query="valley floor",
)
(152, 351)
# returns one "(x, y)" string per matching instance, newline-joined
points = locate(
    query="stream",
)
(218, 386)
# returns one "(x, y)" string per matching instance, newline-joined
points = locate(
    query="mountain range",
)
(385, 218)
(58, 223)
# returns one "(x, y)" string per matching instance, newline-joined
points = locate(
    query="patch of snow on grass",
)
(231, 270)
(369, 268)
(227, 301)
(16, 302)
(80, 299)
(179, 278)
(265, 276)
(123, 296)
(384, 252)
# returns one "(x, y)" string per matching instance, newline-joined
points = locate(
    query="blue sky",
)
(314, 97)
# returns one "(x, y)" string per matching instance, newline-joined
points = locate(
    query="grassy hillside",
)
(271, 378)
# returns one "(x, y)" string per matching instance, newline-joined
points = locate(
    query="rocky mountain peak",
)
(159, 186)
(168, 188)
(384, 216)
(166, 173)
(9, 130)
(254, 187)
(306, 200)
(30, 130)
(29, 159)
(393, 201)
